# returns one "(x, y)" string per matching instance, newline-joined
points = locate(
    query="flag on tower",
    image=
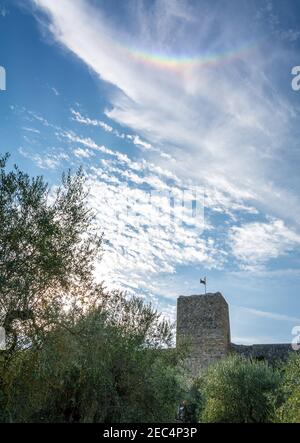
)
(203, 282)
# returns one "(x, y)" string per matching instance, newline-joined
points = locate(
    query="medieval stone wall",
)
(272, 353)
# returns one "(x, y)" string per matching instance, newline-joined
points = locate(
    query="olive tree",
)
(47, 245)
(238, 390)
(100, 370)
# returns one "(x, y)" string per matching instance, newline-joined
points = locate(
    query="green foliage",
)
(100, 370)
(237, 390)
(76, 353)
(289, 412)
(47, 246)
(191, 406)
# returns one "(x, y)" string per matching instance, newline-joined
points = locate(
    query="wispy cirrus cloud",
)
(271, 315)
(91, 122)
(135, 139)
(219, 123)
(221, 118)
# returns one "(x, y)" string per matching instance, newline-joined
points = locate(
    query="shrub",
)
(237, 390)
(95, 372)
(289, 412)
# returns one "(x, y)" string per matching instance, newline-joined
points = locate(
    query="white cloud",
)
(87, 121)
(152, 220)
(253, 244)
(82, 153)
(223, 123)
(136, 140)
(3, 11)
(220, 125)
(48, 161)
(34, 130)
(146, 232)
(143, 240)
(55, 91)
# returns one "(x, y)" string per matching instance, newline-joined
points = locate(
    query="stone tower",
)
(203, 327)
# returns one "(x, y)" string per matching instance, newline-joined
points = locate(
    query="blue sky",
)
(184, 119)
